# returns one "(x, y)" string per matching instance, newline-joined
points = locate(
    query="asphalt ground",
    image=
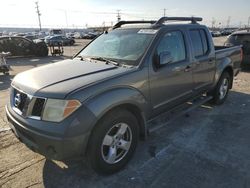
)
(209, 147)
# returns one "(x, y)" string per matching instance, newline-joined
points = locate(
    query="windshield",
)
(124, 46)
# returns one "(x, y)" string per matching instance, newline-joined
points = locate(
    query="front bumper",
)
(52, 147)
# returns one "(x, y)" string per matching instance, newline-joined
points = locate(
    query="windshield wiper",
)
(107, 61)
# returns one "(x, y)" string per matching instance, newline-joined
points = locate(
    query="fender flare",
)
(225, 64)
(126, 97)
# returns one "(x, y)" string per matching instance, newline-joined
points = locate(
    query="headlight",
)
(56, 110)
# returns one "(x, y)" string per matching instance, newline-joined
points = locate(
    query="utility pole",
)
(248, 24)
(228, 21)
(66, 18)
(213, 22)
(118, 15)
(164, 12)
(38, 14)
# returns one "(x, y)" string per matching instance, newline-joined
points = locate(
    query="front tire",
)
(113, 142)
(220, 93)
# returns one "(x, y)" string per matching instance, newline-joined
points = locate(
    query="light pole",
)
(118, 15)
(38, 14)
(248, 24)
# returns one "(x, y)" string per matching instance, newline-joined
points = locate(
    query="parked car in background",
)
(59, 39)
(78, 35)
(31, 37)
(56, 32)
(215, 33)
(19, 35)
(70, 35)
(89, 35)
(21, 46)
(241, 38)
(226, 32)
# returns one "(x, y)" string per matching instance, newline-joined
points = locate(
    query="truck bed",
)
(223, 53)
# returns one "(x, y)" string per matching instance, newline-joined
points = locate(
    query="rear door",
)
(22, 46)
(203, 58)
(172, 83)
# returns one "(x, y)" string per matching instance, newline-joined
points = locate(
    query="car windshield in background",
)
(239, 39)
(122, 45)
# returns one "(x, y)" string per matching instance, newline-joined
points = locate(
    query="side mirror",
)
(164, 58)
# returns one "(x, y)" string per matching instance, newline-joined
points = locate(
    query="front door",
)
(172, 83)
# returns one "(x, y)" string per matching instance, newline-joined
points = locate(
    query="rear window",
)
(198, 42)
(204, 41)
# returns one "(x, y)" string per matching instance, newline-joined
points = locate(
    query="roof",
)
(242, 32)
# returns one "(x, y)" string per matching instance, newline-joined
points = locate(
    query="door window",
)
(200, 42)
(197, 43)
(173, 42)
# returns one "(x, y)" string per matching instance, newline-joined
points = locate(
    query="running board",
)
(167, 117)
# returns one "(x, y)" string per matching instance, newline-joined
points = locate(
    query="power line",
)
(38, 14)
(164, 12)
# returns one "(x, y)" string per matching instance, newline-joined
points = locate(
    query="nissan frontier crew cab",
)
(98, 104)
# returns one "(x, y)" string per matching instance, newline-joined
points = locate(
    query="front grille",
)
(27, 105)
(19, 100)
(38, 107)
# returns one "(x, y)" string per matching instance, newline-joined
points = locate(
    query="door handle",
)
(210, 61)
(188, 68)
(197, 63)
(177, 69)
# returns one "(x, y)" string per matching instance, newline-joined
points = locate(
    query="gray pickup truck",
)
(98, 104)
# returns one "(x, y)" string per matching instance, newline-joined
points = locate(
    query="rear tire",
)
(113, 142)
(220, 92)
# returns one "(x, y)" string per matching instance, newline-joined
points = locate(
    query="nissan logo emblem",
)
(17, 100)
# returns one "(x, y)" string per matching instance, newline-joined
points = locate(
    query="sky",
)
(82, 13)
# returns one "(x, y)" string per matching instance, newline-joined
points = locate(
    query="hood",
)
(58, 79)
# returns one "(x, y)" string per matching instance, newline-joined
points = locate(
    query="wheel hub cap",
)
(224, 88)
(116, 143)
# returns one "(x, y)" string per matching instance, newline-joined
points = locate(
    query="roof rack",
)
(193, 20)
(119, 24)
(161, 21)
